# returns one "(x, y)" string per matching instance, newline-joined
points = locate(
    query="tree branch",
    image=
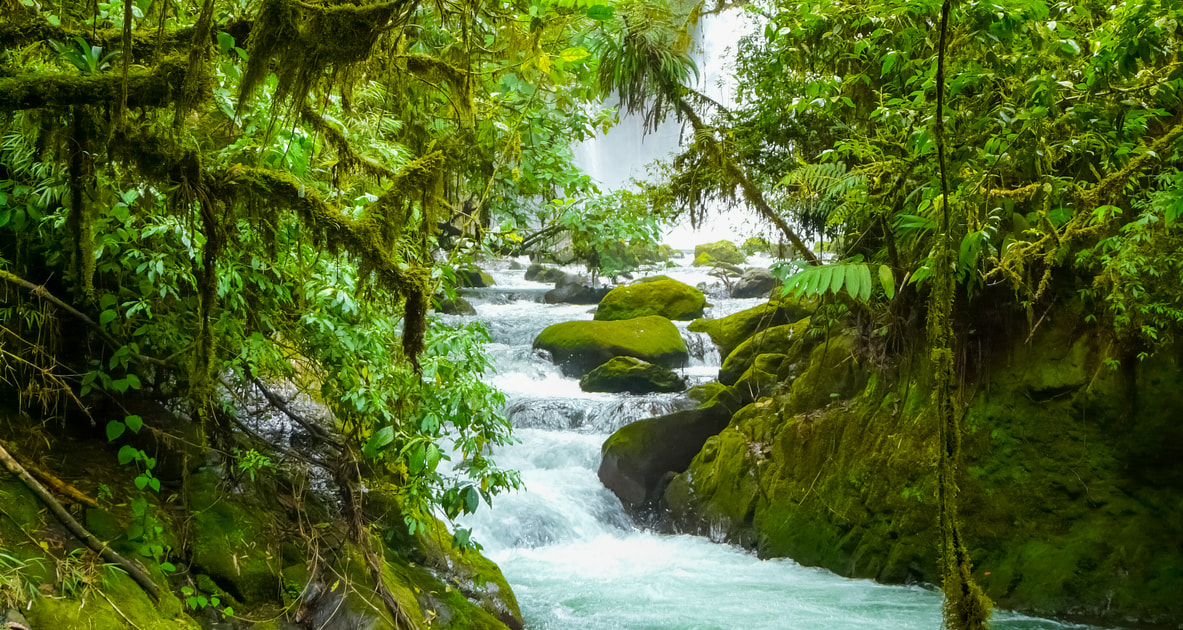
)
(75, 528)
(159, 87)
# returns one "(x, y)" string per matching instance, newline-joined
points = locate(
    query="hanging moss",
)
(83, 129)
(301, 43)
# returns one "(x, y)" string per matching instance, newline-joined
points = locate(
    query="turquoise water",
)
(576, 561)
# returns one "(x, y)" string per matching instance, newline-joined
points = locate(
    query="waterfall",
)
(612, 159)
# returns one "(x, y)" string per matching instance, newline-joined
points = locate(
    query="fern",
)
(823, 192)
(853, 277)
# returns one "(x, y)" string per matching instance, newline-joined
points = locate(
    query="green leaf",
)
(600, 12)
(416, 458)
(887, 279)
(472, 499)
(135, 423)
(127, 454)
(823, 280)
(864, 277)
(837, 279)
(115, 429)
(107, 316)
(141, 481)
(853, 280)
(380, 440)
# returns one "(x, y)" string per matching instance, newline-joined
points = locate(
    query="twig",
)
(63, 488)
(77, 529)
(41, 292)
(316, 430)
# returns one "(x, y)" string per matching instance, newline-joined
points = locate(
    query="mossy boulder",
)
(641, 456)
(1071, 470)
(756, 245)
(474, 278)
(730, 331)
(454, 306)
(659, 295)
(546, 275)
(631, 375)
(765, 373)
(707, 254)
(578, 347)
(465, 571)
(789, 339)
(232, 541)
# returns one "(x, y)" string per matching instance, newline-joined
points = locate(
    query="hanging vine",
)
(966, 607)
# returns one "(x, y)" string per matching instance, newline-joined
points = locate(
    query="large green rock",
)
(789, 339)
(579, 346)
(730, 331)
(631, 375)
(473, 277)
(539, 273)
(641, 456)
(659, 295)
(233, 541)
(718, 252)
(1070, 489)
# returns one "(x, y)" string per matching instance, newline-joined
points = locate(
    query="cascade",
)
(572, 554)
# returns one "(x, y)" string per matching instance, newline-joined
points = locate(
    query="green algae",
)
(659, 295)
(580, 346)
(1070, 507)
(731, 331)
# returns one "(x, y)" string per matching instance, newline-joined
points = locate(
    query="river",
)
(573, 556)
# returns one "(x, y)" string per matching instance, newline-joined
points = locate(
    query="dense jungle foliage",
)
(201, 200)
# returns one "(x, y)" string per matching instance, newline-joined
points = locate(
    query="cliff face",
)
(1071, 487)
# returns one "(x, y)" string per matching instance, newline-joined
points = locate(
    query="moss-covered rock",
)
(454, 306)
(631, 375)
(472, 277)
(730, 331)
(720, 251)
(463, 571)
(789, 339)
(659, 295)
(549, 275)
(232, 541)
(756, 245)
(1068, 496)
(579, 346)
(640, 456)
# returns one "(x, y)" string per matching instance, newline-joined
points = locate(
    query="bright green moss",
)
(652, 296)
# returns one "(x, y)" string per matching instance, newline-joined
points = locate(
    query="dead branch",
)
(75, 528)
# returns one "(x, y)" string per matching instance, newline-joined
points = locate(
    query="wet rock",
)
(540, 273)
(755, 282)
(473, 278)
(659, 295)
(578, 347)
(457, 306)
(639, 456)
(575, 293)
(631, 375)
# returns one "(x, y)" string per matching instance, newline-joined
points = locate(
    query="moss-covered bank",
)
(272, 552)
(1071, 491)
